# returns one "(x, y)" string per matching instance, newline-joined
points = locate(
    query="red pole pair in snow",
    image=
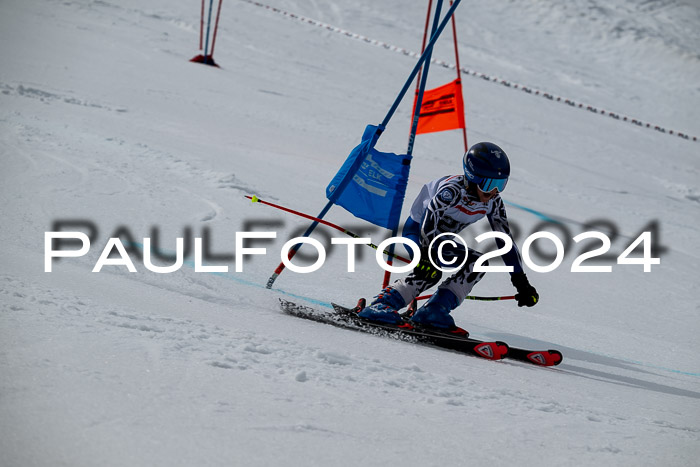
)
(208, 57)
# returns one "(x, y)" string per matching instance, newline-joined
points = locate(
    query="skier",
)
(448, 205)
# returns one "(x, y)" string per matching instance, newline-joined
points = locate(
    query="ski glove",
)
(527, 295)
(425, 271)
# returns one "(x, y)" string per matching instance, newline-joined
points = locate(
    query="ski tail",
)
(361, 304)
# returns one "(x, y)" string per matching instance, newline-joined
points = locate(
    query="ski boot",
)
(434, 316)
(384, 308)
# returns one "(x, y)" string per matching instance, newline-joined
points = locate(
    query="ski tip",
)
(546, 357)
(557, 356)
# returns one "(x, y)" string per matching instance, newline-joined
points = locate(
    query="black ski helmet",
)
(487, 166)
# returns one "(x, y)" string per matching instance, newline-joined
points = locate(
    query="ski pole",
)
(255, 199)
(483, 299)
(295, 248)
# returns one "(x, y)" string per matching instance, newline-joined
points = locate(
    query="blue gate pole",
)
(206, 44)
(414, 124)
(424, 79)
(397, 101)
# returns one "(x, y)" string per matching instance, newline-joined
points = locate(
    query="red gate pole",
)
(422, 49)
(459, 75)
(387, 274)
(216, 28)
(201, 26)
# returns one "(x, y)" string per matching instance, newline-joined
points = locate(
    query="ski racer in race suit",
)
(449, 205)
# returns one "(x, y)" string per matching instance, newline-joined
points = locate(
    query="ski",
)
(347, 318)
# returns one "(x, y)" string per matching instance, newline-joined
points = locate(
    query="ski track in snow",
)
(281, 359)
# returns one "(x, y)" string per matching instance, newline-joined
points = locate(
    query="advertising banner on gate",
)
(442, 109)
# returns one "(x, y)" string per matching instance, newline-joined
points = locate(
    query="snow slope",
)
(104, 120)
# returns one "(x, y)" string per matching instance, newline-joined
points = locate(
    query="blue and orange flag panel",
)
(371, 184)
(442, 109)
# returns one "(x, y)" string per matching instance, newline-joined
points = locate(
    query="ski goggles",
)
(488, 184)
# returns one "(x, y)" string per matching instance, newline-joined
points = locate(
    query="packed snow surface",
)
(107, 128)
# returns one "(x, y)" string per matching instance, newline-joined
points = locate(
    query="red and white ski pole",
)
(255, 199)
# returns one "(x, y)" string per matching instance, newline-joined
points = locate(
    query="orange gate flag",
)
(442, 109)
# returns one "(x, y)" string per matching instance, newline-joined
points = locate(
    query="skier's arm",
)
(527, 295)
(435, 222)
(499, 223)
